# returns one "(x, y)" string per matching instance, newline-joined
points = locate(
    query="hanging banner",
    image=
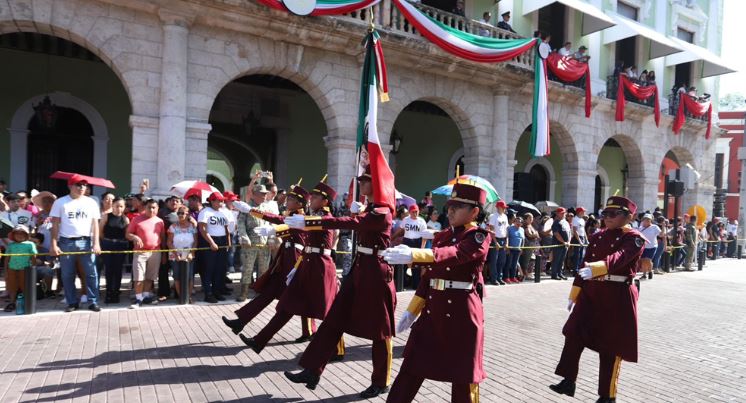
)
(695, 108)
(321, 7)
(638, 91)
(569, 70)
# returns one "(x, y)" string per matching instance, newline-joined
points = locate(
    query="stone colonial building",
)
(171, 90)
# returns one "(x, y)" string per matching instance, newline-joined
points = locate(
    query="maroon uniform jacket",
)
(605, 313)
(368, 292)
(446, 343)
(273, 281)
(312, 290)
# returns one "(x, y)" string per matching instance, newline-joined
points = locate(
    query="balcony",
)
(612, 85)
(673, 107)
(388, 19)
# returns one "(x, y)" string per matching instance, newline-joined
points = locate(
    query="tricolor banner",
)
(327, 7)
(369, 149)
(540, 112)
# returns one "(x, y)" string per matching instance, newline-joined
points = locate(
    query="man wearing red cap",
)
(411, 228)
(312, 282)
(365, 304)
(498, 259)
(212, 224)
(446, 343)
(604, 297)
(272, 284)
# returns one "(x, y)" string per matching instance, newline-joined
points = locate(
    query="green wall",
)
(523, 156)
(306, 152)
(613, 161)
(428, 143)
(26, 75)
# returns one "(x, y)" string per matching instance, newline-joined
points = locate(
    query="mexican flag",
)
(368, 144)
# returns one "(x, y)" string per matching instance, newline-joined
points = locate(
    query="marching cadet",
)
(604, 296)
(365, 304)
(271, 285)
(312, 283)
(447, 340)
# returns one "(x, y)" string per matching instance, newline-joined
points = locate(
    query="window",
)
(552, 21)
(684, 35)
(683, 73)
(625, 10)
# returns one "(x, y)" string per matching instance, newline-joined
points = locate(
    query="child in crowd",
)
(15, 276)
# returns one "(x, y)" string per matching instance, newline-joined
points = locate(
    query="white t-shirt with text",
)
(499, 223)
(413, 227)
(216, 221)
(76, 215)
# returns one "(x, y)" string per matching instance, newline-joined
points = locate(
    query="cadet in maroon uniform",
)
(273, 283)
(365, 304)
(312, 284)
(605, 299)
(447, 340)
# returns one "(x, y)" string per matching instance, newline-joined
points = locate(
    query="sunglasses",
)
(612, 213)
(81, 184)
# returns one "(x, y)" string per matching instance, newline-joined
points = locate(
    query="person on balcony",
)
(486, 20)
(581, 56)
(459, 9)
(566, 50)
(504, 23)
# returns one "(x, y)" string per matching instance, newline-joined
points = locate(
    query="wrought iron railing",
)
(612, 86)
(673, 108)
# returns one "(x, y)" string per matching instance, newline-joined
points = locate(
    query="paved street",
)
(691, 350)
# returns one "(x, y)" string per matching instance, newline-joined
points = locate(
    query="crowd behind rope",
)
(213, 239)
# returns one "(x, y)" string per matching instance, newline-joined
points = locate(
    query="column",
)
(144, 149)
(578, 186)
(742, 195)
(196, 150)
(340, 162)
(499, 177)
(172, 127)
(18, 158)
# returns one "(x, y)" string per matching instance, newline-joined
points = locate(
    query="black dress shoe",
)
(305, 376)
(373, 391)
(71, 308)
(94, 307)
(226, 292)
(606, 400)
(234, 324)
(556, 278)
(211, 299)
(562, 277)
(304, 339)
(565, 387)
(219, 297)
(500, 282)
(251, 343)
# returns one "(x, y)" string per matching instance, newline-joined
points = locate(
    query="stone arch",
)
(19, 135)
(551, 174)
(103, 35)
(638, 172)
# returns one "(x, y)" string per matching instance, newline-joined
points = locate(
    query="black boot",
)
(565, 387)
(606, 400)
(373, 391)
(304, 376)
(251, 343)
(234, 324)
(304, 339)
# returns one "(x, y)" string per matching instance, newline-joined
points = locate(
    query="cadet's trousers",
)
(250, 255)
(326, 342)
(252, 308)
(406, 386)
(608, 369)
(278, 321)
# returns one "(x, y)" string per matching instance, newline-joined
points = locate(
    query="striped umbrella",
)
(473, 180)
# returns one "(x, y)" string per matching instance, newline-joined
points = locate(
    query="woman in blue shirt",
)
(516, 239)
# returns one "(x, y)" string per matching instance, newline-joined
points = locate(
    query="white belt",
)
(368, 251)
(310, 249)
(612, 277)
(296, 245)
(440, 284)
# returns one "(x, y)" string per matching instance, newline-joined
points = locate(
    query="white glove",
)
(296, 221)
(570, 304)
(400, 254)
(356, 207)
(290, 276)
(405, 322)
(242, 207)
(265, 230)
(585, 273)
(427, 234)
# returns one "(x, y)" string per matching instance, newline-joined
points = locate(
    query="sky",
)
(732, 51)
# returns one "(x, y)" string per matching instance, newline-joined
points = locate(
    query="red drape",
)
(638, 91)
(695, 108)
(570, 70)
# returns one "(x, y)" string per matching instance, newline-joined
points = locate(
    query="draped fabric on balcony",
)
(570, 70)
(327, 7)
(640, 92)
(695, 108)
(489, 50)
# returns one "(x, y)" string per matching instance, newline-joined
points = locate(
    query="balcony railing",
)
(673, 108)
(388, 18)
(612, 85)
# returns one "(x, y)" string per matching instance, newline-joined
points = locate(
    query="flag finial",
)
(323, 180)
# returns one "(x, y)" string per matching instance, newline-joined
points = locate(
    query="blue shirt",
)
(515, 236)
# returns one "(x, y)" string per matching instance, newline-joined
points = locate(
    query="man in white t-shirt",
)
(412, 227)
(498, 226)
(650, 231)
(578, 233)
(75, 229)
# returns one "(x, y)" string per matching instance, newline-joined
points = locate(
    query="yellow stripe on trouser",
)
(389, 359)
(341, 346)
(615, 376)
(309, 324)
(474, 392)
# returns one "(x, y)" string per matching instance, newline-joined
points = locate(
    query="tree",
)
(734, 101)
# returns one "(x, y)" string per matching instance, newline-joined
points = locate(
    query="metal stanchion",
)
(399, 271)
(666, 256)
(739, 250)
(701, 256)
(183, 282)
(29, 293)
(538, 263)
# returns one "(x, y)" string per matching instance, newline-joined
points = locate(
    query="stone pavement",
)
(691, 350)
